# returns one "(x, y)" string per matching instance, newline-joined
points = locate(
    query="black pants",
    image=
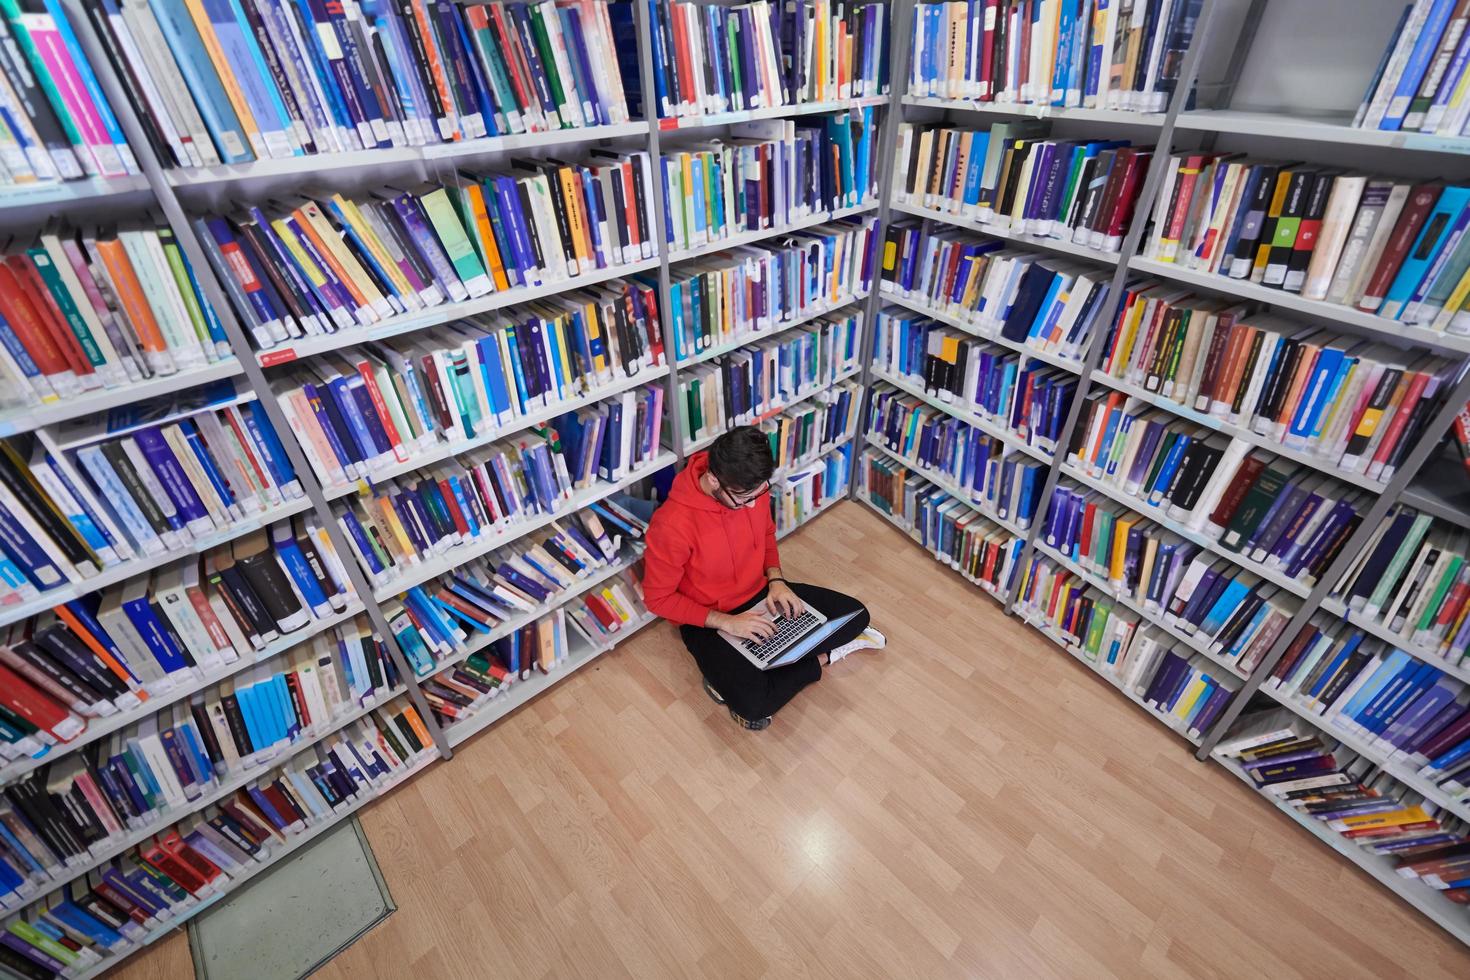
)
(754, 693)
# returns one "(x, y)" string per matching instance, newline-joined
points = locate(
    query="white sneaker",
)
(868, 639)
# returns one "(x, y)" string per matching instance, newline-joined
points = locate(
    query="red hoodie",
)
(701, 554)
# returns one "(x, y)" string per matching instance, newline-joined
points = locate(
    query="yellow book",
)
(686, 196)
(1392, 818)
(563, 345)
(571, 197)
(622, 611)
(819, 52)
(309, 268)
(369, 238)
(1120, 547)
(1457, 297)
(346, 266)
(395, 527)
(1184, 707)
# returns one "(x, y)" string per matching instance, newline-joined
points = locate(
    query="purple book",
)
(428, 247)
(1445, 717)
(1170, 669)
(1289, 545)
(1424, 708)
(1286, 504)
(1340, 514)
(1206, 716)
(175, 481)
(1153, 435)
(332, 292)
(1041, 169)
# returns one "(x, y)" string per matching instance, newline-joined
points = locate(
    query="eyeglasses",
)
(735, 502)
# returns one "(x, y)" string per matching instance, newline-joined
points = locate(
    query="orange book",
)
(571, 195)
(98, 650)
(436, 71)
(1235, 359)
(480, 218)
(305, 217)
(130, 295)
(1304, 368)
(25, 320)
(411, 715)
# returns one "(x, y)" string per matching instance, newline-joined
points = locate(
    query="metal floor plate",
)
(295, 917)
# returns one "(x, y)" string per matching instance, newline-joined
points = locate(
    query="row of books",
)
(1277, 514)
(949, 529)
(263, 80)
(1411, 579)
(1358, 405)
(1421, 85)
(1184, 689)
(797, 496)
(1219, 605)
(1396, 248)
(58, 123)
(106, 655)
(404, 522)
(711, 58)
(1012, 177)
(1095, 54)
(1047, 305)
(152, 491)
(1314, 774)
(801, 433)
(83, 310)
(750, 290)
(304, 268)
(158, 769)
(540, 646)
(754, 382)
(441, 618)
(1001, 482)
(1027, 399)
(113, 910)
(362, 410)
(768, 175)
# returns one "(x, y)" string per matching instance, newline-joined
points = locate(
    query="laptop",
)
(795, 636)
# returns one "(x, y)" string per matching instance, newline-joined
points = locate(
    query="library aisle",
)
(927, 811)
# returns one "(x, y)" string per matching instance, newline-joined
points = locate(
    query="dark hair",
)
(741, 459)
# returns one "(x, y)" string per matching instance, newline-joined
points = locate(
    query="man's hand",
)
(747, 625)
(782, 601)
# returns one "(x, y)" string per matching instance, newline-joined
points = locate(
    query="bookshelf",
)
(1220, 61)
(176, 196)
(1268, 81)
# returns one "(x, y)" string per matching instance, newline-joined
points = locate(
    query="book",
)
(986, 472)
(726, 297)
(762, 55)
(1084, 54)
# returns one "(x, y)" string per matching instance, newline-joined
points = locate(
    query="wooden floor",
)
(970, 802)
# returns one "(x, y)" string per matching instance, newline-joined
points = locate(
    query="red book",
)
(25, 320)
(365, 368)
(198, 863)
(175, 870)
(298, 698)
(21, 698)
(987, 54)
(598, 606)
(1416, 210)
(1122, 211)
(1418, 380)
(451, 504)
(682, 64)
(51, 315)
(1240, 483)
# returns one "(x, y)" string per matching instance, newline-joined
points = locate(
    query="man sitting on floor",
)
(712, 556)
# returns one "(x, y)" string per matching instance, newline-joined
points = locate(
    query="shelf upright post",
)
(645, 27)
(188, 240)
(900, 44)
(1188, 70)
(1428, 441)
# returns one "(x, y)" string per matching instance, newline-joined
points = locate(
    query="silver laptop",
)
(795, 636)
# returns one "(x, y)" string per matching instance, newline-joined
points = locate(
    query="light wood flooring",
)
(969, 802)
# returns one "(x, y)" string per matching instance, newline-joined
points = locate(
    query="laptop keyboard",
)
(788, 630)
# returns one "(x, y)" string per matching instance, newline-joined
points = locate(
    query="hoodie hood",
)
(685, 489)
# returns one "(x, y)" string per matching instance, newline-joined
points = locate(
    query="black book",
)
(1269, 404)
(242, 604)
(36, 808)
(1252, 232)
(235, 721)
(256, 561)
(200, 713)
(17, 478)
(20, 965)
(280, 271)
(123, 467)
(1189, 494)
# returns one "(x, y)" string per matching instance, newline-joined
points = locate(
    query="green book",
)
(1408, 549)
(1431, 609)
(69, 311)
(451, 234)
(548, 61)
(175, 259)
(1095, 629)
(1253, 508)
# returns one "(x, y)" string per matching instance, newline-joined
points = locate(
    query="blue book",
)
(1415, 684)
(1418, 62)
(248, 698)
(203, 83)
(1426, 248)
(1390, 668)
